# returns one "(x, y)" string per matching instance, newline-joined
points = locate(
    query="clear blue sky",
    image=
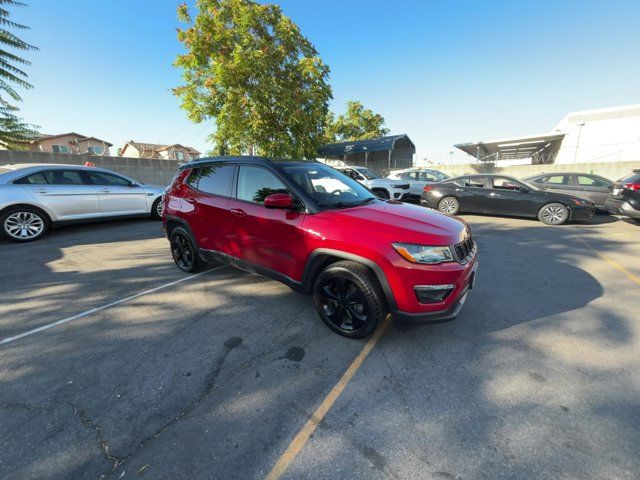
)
(442, 71)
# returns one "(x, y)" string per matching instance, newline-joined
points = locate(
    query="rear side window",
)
(33, 179)
(634, 178)
(213, 179)
(257, 183)
(557, 180)
(64, 177)
(478, 182)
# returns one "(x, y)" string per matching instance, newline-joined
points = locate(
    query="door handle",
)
(104, 190)
(238, 212)
(494, 194)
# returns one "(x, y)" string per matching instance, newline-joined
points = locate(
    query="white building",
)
(600, 135)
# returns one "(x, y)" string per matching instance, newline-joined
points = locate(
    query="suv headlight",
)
(423, 253)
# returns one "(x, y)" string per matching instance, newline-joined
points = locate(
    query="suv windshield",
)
(327, 186)
(366, 173)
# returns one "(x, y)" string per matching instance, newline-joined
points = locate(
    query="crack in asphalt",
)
(102, 443)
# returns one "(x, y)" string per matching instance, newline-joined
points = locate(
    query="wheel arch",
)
(322, 257)
(49, 218)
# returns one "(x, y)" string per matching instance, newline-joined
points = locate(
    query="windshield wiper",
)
(347, 204)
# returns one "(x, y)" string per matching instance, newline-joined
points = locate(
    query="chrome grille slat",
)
(465, 250)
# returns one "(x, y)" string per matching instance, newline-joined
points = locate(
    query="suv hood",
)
(403, 222)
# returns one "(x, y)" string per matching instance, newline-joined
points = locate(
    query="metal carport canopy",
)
(516, 146)
(358, 146)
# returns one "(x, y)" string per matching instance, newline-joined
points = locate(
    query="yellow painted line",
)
(630, 275)
(298, 443)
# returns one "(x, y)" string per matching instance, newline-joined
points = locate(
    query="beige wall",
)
(610, 170)
(75, 144)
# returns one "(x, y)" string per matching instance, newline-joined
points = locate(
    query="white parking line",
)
(103, 307)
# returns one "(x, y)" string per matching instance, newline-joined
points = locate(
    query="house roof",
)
(37, 138)
(156, 147)
(358, 146)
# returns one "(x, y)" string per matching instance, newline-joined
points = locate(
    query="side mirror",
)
(279, 200)
(525, 189)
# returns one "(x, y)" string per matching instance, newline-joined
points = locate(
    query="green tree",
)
(248, 67)
(14, 133)
(358, 123)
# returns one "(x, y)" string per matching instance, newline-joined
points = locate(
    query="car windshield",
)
(439, 175)
(4, 170)
(327, 186)
(368, 174)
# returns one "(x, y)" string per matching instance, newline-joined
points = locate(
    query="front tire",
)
(23, 224)
(183, 251)
(449, 205)
(553, 214)
(157, 208)
(349, 299)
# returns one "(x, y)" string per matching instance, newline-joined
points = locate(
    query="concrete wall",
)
(610, 170)
(147, 170)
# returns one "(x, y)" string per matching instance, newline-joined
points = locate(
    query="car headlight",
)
(423, 253)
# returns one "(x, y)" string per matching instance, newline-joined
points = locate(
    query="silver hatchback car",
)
(34, 197)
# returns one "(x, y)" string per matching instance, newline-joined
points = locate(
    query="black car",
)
(625, 197)
(586, 185)
(502, 195)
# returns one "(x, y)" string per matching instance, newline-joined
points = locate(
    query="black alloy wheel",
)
(183, 251)
(348, 299)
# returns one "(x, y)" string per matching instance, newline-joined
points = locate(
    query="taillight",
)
(428, 188)
(632, 186)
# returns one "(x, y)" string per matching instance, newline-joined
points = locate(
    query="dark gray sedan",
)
(586, 185)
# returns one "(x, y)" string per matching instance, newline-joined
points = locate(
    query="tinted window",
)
(214, 179)
(634, 178)
(64, 177)
(101, 178)
(501, 183)
(557, 180)
(585, 181)
(478, 182)
(256, 183)
(33, 179)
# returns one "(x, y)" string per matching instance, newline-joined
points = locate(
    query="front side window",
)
(368, 174)
(64, 177)
(213, 179)
(60, 149)
(102, 178)
(327, 186)
(585, 181)
(257, 183)
(95, 150)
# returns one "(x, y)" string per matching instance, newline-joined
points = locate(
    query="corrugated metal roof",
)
(358, 146)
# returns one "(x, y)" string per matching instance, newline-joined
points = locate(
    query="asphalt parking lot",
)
(214, 376)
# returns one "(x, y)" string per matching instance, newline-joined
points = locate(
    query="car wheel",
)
(24, 224)
(157, 208)
(184, 251)
(553, 214)
(381, 193)
(449, 205)
(348, 299)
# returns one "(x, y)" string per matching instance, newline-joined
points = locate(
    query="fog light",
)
(433, 293)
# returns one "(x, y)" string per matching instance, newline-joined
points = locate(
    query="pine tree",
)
(14, 133)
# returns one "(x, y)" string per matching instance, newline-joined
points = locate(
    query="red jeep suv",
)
(319, 231)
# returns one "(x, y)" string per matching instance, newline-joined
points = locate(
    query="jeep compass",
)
(320, 232)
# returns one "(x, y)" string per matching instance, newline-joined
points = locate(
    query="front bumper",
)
(397, 194)
(621, 207)
(440, 316)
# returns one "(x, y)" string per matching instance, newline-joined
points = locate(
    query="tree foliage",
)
(358, 123)
(248, 67)
(14, 133)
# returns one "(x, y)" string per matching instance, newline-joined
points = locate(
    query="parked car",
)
(360, 256)
(418, 178)
(586, 185)
(502, 195)
(35, 197)
(382, 187)
(625, 197)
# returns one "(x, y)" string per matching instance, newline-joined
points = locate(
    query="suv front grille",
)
(465, 250)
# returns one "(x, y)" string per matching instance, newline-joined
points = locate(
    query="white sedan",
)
(34, 197)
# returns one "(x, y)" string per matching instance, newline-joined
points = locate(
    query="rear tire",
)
(348, 299)
(183, 250)
(156, 209)
(23, 223)
(449, 206)
(553, 214)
